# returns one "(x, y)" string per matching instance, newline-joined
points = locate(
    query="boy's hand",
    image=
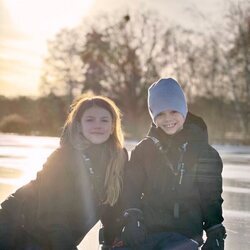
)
(215, 238)
(134, 232)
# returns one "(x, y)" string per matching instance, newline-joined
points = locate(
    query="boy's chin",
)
(172, 131)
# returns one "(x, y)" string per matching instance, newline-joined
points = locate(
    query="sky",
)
(26, 25)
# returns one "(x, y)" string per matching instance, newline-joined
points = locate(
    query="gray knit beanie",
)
(166, 94)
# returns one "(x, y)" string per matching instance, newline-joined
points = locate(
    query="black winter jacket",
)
(62, 204)
(175, 194)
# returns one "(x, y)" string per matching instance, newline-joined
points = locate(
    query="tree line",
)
(46, 116)
(122, 54)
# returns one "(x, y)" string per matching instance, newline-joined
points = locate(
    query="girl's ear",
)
(113, 129)
(79, 126)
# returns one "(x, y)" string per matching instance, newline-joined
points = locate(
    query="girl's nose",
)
(97, 125)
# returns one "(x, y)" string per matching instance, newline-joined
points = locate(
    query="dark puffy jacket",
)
(64, 202)
(187, 201)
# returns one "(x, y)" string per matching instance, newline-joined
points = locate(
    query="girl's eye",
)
(89, 120)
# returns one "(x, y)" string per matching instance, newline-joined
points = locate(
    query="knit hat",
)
(166, 94)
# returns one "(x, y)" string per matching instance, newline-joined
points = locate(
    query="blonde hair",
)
(72, 134)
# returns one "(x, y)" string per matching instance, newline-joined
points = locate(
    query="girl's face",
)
(170, 122)
(96, 124)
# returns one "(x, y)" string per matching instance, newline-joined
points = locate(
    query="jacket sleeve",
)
(12, 219)
(54, 196)
(39, 204)
(135, 176)
(209, 177)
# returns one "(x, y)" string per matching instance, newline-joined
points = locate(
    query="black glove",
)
(134, 231)
(215, 238)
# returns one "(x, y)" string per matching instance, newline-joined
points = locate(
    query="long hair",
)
(72, 134)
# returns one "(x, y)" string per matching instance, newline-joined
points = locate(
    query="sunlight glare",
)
(33, 164)
(46, 17)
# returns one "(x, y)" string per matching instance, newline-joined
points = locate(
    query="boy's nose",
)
(167, 115)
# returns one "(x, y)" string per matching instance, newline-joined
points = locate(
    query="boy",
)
(173, 185)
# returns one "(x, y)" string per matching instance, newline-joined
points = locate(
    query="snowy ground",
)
(22, 156)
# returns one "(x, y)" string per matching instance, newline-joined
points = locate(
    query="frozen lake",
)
(22, 156)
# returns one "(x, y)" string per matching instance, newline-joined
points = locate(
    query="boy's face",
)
(170, 121)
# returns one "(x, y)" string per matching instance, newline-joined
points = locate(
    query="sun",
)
(45, 17)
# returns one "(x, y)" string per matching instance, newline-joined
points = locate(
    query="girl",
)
(80, 183)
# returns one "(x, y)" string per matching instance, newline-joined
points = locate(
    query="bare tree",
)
(63, 68)
(122, 58)
(237, 61)
(125, 52)
(194, 59)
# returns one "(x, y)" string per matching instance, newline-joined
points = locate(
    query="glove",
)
(215, 238)
(134, 231)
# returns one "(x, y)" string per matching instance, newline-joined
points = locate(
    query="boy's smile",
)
(170, 121)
